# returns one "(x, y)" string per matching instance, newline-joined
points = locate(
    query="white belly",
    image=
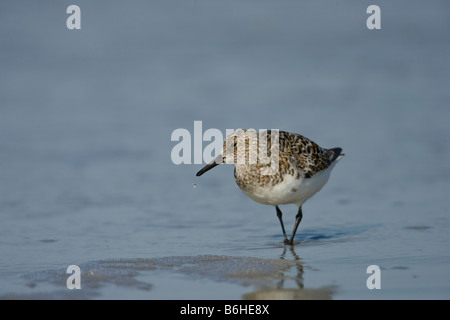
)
(291, 190)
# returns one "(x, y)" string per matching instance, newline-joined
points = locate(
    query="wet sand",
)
(260, 279)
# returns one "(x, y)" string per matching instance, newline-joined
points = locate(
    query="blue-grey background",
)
(86, 118)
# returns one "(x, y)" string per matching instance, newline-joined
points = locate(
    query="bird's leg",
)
(298, 218)
(280, 217)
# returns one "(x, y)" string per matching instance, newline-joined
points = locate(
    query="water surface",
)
(86, 176)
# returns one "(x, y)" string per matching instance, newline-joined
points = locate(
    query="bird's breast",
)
(280, 189)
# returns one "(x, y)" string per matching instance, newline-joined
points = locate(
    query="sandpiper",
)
(301, 168)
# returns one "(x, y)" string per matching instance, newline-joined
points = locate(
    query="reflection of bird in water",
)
(299, 265)
(299, 293)
(289, 169)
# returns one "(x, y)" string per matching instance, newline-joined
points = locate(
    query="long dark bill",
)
(218, 160)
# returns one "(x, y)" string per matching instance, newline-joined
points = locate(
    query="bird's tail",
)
(337, 153)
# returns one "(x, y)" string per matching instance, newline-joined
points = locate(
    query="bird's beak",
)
(218, 160)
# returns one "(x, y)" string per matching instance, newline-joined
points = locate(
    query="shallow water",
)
(86, 176)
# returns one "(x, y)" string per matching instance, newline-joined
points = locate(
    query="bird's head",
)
(232, 149)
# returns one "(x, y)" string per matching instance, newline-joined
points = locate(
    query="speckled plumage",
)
(289, 168)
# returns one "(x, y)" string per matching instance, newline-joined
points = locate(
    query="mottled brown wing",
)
(305, 154)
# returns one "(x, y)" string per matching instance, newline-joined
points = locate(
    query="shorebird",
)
(298, 168)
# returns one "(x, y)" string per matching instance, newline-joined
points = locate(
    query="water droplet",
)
(194, 185)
